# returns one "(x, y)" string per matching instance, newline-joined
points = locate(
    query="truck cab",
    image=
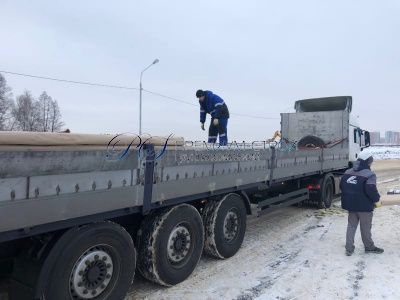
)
(326, 122)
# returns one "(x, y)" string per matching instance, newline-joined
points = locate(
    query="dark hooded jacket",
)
(213, 105)
(358, 185)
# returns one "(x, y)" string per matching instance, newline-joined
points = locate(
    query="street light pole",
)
(140, 101)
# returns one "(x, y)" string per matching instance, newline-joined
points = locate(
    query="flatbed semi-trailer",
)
(78, 213)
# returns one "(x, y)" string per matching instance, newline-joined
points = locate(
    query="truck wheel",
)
(224, 226)
(170, 243)
(326, 193)
(311, 141)
(96, 261)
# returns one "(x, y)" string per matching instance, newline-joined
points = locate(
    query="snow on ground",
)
(384, 153)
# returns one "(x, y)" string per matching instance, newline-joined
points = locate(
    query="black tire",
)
(311, 141)
(170, 243)
(326, 193)
(224, 226)
(96, 261)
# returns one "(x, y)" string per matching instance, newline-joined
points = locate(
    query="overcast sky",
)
(259, 56)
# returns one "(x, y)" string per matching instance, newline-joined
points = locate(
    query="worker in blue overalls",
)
(214, 105)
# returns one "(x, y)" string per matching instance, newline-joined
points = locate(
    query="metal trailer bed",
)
(51, 187)
(71, 181)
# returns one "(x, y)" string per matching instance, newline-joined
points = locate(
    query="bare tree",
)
(27, 113)
(45, 104)
(6, 105)
(55, 122)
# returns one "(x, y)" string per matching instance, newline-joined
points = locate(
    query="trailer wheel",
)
(311, 141)
(224, 226)
(170, 243)
(326, 193)
(96, 261)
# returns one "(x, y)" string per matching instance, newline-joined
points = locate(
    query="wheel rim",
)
(92, 273)
(179, 244)
(231, 225)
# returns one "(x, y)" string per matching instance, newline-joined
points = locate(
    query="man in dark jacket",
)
(359, 197)
(213, 104)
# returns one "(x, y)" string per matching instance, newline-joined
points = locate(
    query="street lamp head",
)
(140, 97)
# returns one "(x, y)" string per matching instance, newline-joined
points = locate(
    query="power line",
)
(242, 115)
(119, 87)
(248, 116)
(71, 81)
(170, 98)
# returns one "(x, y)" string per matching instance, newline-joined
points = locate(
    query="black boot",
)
(374, 250)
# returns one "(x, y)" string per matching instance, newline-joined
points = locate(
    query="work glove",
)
(215, 122)
(378, 204)
(202, 126)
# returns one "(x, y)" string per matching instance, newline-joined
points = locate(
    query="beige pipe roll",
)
(393, 199)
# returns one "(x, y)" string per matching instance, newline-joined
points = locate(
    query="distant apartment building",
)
(388, 138)
(375, 137)
(396, 138)
(392, 137)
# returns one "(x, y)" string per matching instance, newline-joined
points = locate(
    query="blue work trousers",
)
(221, 129)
